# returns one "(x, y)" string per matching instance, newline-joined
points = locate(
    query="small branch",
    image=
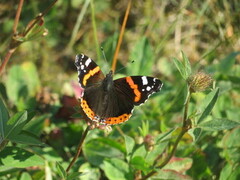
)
(39, 17)
(120, 131)
(14, 43)
(6, 59)
(19, 10)
(79, 148)
(121, 36)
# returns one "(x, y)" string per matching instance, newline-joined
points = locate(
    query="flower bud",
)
(199, 82)
(149, 142)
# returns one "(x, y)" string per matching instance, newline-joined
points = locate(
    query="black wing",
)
(137, 89)
(88, 71)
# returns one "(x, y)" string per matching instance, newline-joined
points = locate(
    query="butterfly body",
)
(111, 101)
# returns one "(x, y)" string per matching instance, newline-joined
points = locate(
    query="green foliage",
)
(142, 55)
(183, 67)
(37, 96)
(17, 157)
(22, 85)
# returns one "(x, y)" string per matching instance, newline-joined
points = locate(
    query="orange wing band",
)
(89, 74)
(118, 120)
(135, 89)
(87, 109)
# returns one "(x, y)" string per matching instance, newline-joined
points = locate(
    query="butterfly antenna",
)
(123, 67)
(104, 56)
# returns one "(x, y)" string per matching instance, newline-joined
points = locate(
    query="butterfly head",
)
(108, 82)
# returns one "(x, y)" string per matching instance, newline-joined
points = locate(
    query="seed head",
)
(199, 82)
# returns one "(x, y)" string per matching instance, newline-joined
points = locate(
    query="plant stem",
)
(11, 50)
(185, 128)
(79, 148)
(185, 115)
(14, 44)
(39, 17)
(95, 30)
(77, 25)
(121, 36)
(19, 9)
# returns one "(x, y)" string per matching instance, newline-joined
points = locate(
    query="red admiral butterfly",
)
(111, 101)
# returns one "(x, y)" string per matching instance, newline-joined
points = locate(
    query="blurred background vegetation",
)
(41, 77)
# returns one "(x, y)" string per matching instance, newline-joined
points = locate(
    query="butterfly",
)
(109, 101)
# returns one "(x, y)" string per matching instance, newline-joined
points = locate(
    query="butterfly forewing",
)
(88, 71)
(138, 88)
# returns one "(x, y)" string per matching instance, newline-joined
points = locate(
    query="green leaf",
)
(129, 143)
(22, 85)
(226, 172)
(25, 176)
(230, 172)
(187, 65)
(140, 151)
(15, 84)
(179, 164)
(171, 174)
(88, 172)
(25, 137)
(195, 133)
(218, 125)
(20, 158)
(208, 104)
(157, 150)
(3, 118)
(15, 124)
(144, 130)
(142, 55)
(164, 136)
(96, 151)
(76, 175)
(116, 169)
(140, 163)
(183, 67)
(61, 171)
(227, 63)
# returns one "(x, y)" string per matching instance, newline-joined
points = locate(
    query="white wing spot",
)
(82, 67)
(84, 70)
(88, 62)
(148, 88)
(154, 79)
(144, 80)
(143, 89)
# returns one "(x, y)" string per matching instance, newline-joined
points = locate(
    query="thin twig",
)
(79, 148)
(14, 44)
(11, 50)
(120, 131)
(39, 17)
(121, 36)
(19, 9)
